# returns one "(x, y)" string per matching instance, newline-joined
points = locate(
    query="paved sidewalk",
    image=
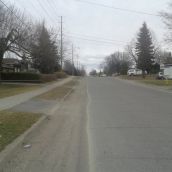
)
(10, 102)
(59, 144)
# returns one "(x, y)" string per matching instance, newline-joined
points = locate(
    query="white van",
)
(134, 72)
(166, 70)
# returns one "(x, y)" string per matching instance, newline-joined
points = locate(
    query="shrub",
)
(61, 75)
(48, 77)
(20, 76)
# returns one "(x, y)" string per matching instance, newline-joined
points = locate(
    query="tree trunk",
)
(3, 48)
(1, 59)
(143, 74)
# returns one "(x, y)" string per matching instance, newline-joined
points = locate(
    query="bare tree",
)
(167, 19)
(130, 50)
(15, 33)
(117, 62)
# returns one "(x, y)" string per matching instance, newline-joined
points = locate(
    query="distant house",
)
(11, 65)
(16, 65)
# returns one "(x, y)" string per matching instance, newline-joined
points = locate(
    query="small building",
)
(166, 70)
(16, 65)
(11, 65)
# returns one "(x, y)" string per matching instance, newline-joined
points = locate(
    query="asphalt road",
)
(130, 127)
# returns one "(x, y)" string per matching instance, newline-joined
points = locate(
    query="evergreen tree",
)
(145, 49)
(44, 52)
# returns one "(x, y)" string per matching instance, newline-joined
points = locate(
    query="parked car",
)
(102, 75)
(115, 74)
(160, 76)
(134, 72)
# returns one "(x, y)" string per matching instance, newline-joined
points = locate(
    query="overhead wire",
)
(117, 8)
(12, 12)
(45, 11)
(97, 41)
(94, 37)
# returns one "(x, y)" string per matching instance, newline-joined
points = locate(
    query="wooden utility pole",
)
(72, 61)
(61, 54)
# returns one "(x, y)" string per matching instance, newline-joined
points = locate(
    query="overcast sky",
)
(97, 31)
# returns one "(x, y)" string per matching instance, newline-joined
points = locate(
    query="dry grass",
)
(158, 82)
(7, 90)
(149, 79)
(13, 124)
(58, 92)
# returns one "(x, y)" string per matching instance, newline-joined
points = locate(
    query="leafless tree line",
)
(161, 55)
(18, 34)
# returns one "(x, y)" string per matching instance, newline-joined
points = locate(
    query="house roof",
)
(162, 66)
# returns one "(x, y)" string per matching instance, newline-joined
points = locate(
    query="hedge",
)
(20, 76)
(31, 77)
(61, 75)
(48, 77)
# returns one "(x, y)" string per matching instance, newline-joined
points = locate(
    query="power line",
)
(37, 11)
(95, 37)
(96, 40)
(61, 25)
(45, 11)
(12, 12)
(23, 6)
(52, 7)
(117, 8)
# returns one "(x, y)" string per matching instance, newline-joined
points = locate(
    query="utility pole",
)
(77, 61)
(61, 54)
(72, 61)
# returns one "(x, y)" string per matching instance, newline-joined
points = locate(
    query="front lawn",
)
(158, 82)
(7, 90)
(149, 79)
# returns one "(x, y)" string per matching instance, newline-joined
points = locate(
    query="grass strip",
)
(58, 92)
(157, 82)
(13, 124)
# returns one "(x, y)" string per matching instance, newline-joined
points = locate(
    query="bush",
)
(61, 75)
(21, 76)
(48, 77)
(34, 77)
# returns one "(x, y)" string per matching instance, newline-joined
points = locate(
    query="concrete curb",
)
(5, 154)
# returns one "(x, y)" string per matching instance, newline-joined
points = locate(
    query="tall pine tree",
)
(44, 52)
(145, 49)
